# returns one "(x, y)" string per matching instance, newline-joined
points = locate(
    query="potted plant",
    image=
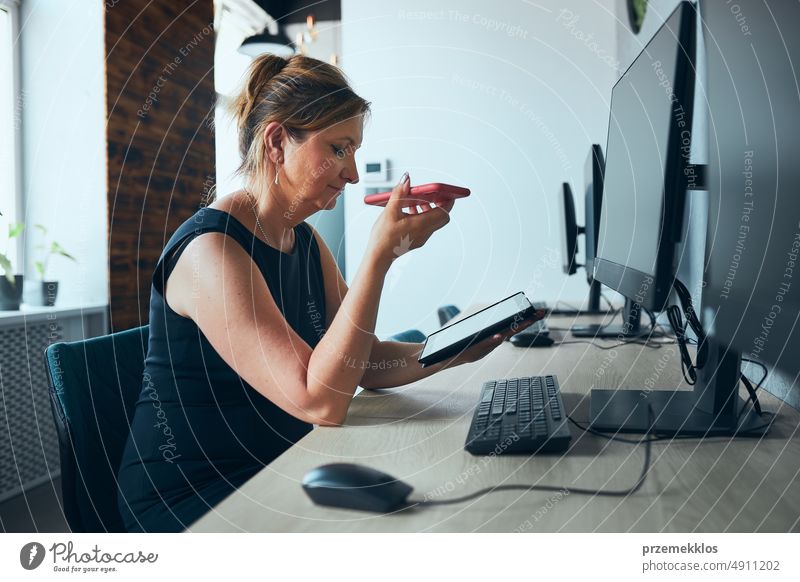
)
(49, 288)
(11, 284)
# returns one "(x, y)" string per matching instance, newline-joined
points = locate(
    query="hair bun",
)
(261, 71)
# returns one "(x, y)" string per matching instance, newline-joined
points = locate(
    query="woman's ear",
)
(274, 135)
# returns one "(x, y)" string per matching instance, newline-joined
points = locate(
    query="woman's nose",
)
(351, 172)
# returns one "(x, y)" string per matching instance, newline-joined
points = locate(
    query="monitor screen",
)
(649, 140)
(593, 180)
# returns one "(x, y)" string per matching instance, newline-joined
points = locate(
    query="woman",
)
(254, 335)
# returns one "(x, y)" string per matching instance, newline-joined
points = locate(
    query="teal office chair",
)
(447, 312)
(94, 385)
(410, 335)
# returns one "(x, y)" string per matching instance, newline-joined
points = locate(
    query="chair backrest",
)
(410, 335)
(447, 312)
(94, 385)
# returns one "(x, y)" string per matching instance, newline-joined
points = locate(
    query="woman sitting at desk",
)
(254, 335)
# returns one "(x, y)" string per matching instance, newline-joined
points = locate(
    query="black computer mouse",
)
(355, 487)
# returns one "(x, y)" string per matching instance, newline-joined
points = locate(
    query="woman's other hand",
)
(484, 347)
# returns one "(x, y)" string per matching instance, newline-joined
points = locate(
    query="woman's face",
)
(315, 171)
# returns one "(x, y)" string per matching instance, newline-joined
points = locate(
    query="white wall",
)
(503, 98)
(64, 143)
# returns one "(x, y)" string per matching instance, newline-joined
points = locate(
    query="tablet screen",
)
(469, 326)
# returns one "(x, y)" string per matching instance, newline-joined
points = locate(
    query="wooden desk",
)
(416, 433)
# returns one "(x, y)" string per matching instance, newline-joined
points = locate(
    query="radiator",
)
(28, 438)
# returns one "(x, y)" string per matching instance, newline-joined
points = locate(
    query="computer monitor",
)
(647, 154)
(647, 175)
(714, 406)
(570, 247)
(569, 238)
(631, 325)
(751, 301)
(593, 201)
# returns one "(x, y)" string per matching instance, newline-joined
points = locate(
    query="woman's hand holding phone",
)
(397, 232)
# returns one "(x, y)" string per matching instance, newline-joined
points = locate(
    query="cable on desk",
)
(755, 431)
(570, 307)
(606, 299)
(760, 365)
(611, 437)
(572, 490)
(753, 391)
(647, 342)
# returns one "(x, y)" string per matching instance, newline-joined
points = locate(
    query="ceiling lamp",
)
(266, 42)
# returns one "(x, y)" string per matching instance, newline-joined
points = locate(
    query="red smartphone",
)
(435, 192)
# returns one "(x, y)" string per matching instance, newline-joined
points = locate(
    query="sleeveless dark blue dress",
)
(199, 430)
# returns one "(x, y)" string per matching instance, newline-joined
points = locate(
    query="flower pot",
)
(49, 293)
(10, 293)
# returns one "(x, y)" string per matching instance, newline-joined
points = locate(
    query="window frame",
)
(16, 213)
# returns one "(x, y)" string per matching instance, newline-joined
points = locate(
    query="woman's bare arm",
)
(395, 364)
(217, 284)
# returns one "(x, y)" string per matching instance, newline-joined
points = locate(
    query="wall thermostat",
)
(376, 171)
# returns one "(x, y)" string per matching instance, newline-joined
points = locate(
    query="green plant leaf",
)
(39, 268)
(5, 263)
(41, 228)
(14, 230)
(57, 249)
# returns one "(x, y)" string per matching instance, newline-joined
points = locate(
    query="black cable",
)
(688, 308)
(611, 437)
(610, 305)
(753, 397)
(614, 314)
(652, 318)
(644, 338)
(571, 490)
(687, 366)
(646, 342)
(571, 308)
(669, 437)
(753, 391)
(760, 365)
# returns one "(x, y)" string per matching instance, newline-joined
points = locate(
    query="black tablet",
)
(454, 338)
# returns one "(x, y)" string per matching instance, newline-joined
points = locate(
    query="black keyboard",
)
(519, 415)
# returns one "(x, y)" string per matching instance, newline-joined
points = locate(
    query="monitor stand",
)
(712, 408)
(592, 309)
(631, 325)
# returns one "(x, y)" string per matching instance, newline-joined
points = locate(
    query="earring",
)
(276, 174)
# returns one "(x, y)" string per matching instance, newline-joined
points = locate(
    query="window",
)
(10, 123)
(235, 20)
